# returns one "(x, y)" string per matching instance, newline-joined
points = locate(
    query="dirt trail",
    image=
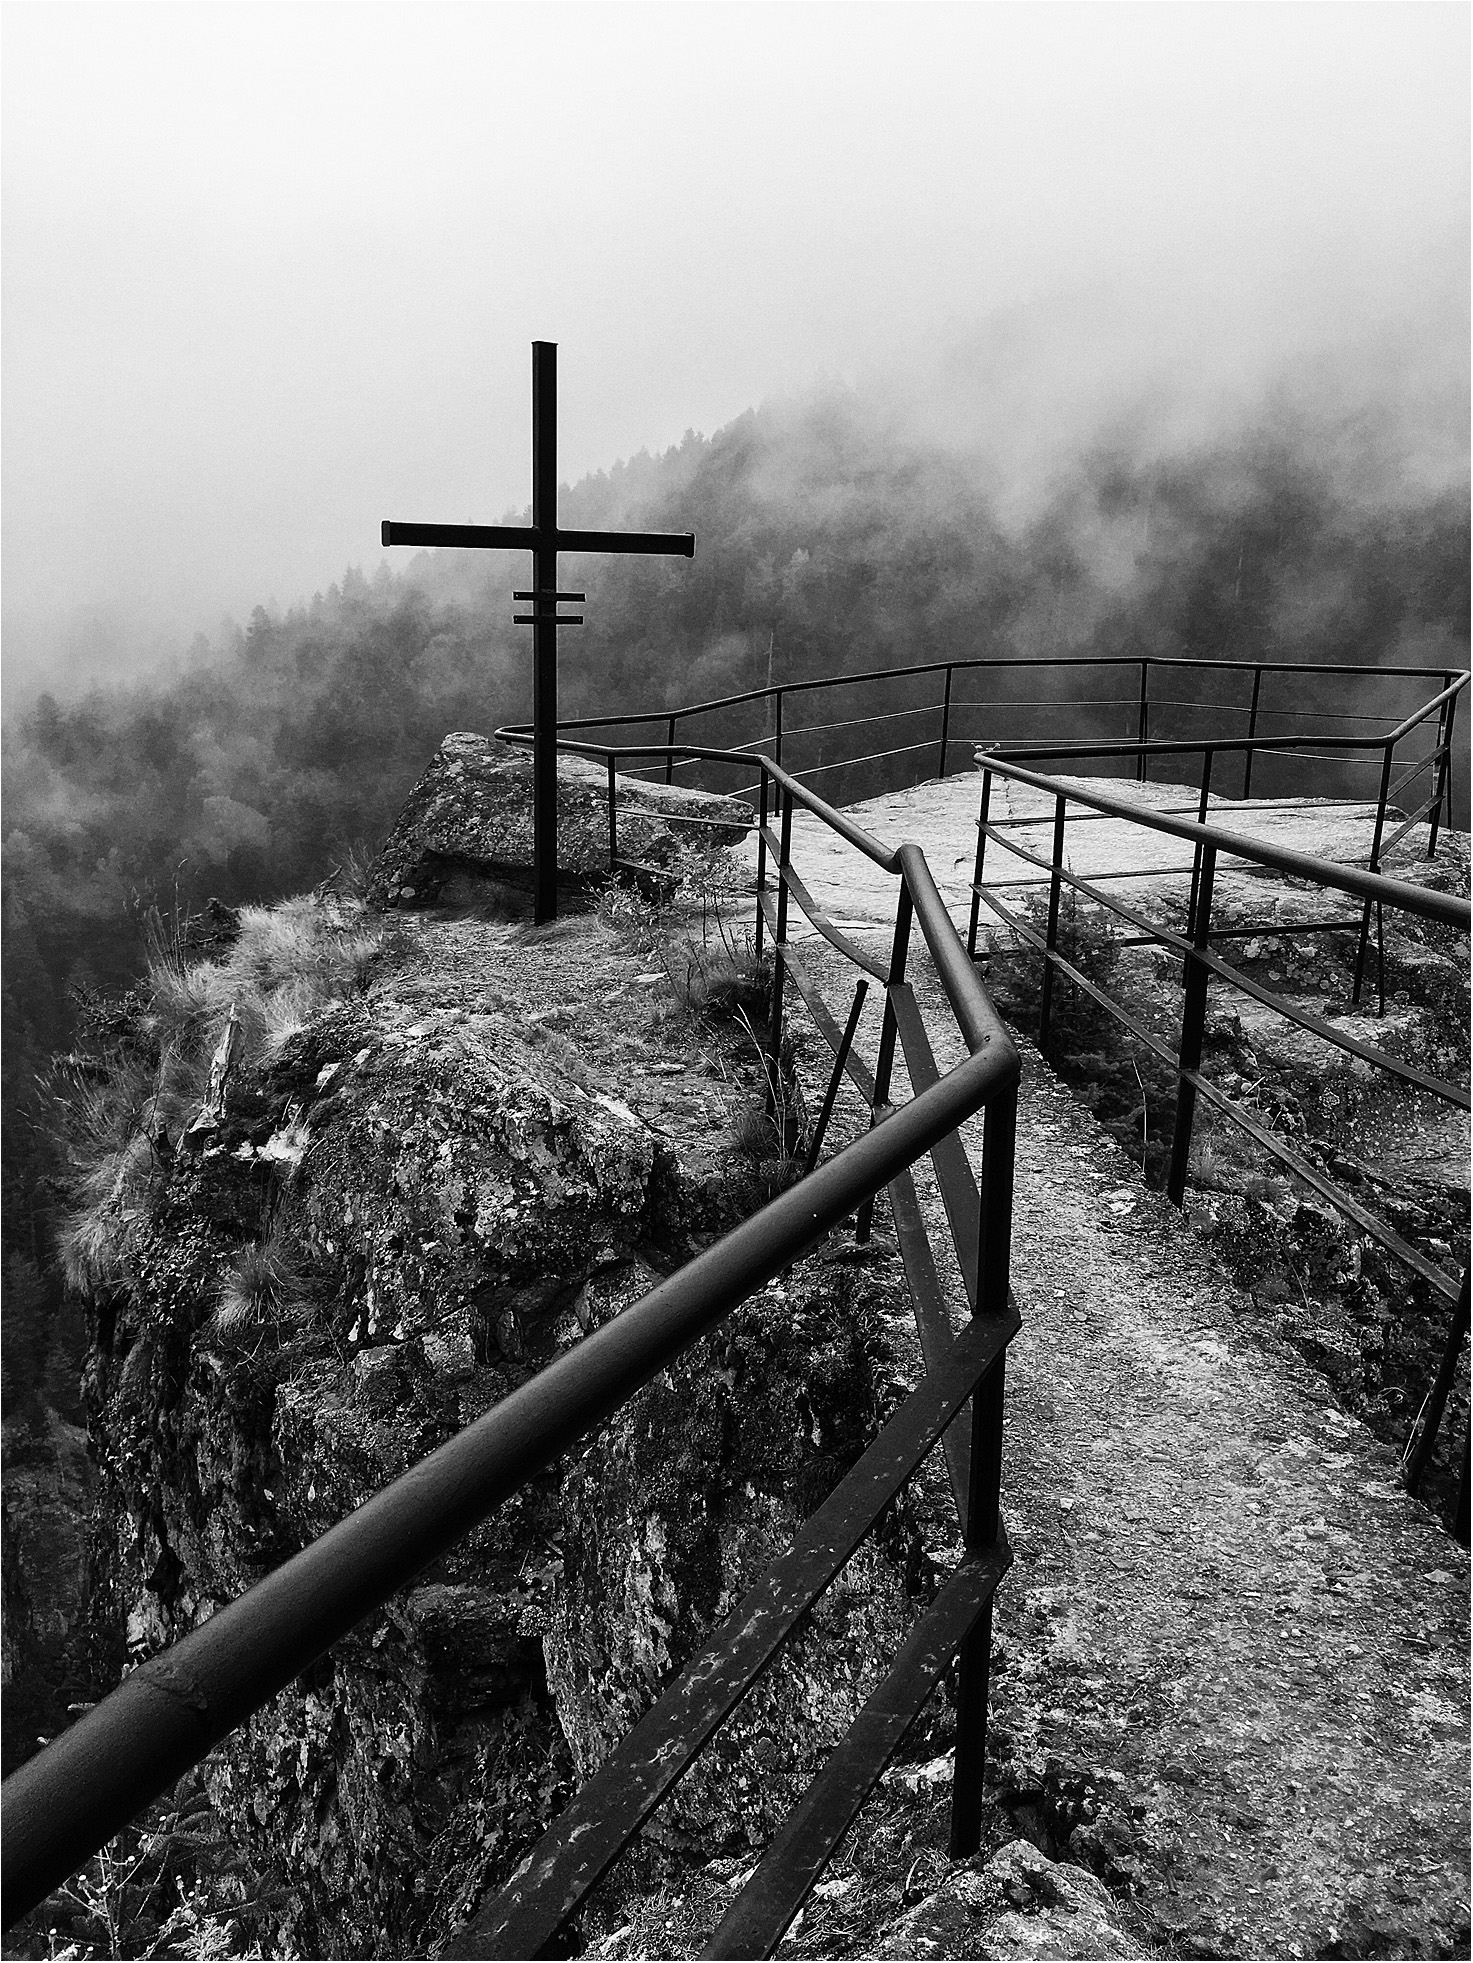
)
(1233, 1655)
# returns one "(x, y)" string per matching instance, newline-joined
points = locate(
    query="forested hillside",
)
(826, 541)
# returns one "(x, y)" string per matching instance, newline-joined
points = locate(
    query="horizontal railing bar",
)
(1329, 1032)
(594, 1829)
(1242, 708)
(1285, 930)
(1266, 928)
(1070, 701)
(973, 663)
(872, 756)
(1415, 769)
(1390, 844)
(1446, 1285)
(707, 818)
(835, 936)
(954, 1175)
(1453, 688)
(1043, 820)
(859, 722)
(75, 1794)
(855, 835)
(933, 1324)
(1169, 746)
(1401, 893)
(755, 1922)
(1130, 872)
(1282, 746)
(1384, 1236)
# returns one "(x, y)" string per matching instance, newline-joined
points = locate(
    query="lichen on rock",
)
(465, 832)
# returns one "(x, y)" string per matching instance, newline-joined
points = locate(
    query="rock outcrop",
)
(464, 836)
(55, 1646)
(484, 1143)
(1016, 1904)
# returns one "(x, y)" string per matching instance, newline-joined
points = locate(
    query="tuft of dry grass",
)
(261, 1286)
(115, 1119)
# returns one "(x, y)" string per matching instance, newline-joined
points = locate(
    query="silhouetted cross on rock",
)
(544, 539)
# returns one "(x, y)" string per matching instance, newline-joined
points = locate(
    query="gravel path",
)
(1233, 1656)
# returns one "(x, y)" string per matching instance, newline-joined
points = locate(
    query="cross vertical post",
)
(545, 540)
(544, 631)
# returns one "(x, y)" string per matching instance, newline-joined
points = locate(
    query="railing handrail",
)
(1405, 727)
(625, 718)
(1446, 908)
(65, 1803)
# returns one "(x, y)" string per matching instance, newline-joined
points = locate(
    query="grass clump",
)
(262, 1286)
(711, 962)
(118, 1117)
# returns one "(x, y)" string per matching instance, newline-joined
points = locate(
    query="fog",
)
(271, 273)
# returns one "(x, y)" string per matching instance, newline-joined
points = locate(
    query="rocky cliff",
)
(357, 1179)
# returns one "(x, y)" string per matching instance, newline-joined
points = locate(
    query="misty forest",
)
(827, 543)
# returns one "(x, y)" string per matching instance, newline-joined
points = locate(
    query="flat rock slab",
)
(465, 832)
(1136, 865)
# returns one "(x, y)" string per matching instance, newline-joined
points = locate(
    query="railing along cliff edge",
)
(65, 1803)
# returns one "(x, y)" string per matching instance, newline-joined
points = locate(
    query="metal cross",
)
(545, 540)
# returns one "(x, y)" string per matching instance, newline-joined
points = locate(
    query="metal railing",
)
(1201, 966)
(64, 1804)
(940, 724)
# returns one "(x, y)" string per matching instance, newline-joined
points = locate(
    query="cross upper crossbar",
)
(508, 537)
(544, 539)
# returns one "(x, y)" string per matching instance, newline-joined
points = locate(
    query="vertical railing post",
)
(1143, 722)
(1373, 865)
(1193, 1018)
(777, 744)
(885, 1056)
(945, 722)
(761, 857)
(774, 1054)
(1444, 759)
(1420, 1446)
(670, 752)
(1452, 710)
(1202, 807)
(1046, 992)
(984, 1515)
(1252, 730)
(977, 868)
(613, 819)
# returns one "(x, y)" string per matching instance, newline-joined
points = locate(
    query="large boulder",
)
(465, 833)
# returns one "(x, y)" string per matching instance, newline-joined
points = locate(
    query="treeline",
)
(827, 542)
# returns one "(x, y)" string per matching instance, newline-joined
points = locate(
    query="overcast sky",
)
(271, 273)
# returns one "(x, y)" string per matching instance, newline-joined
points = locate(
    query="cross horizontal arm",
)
(682, 544)
(396, 532)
